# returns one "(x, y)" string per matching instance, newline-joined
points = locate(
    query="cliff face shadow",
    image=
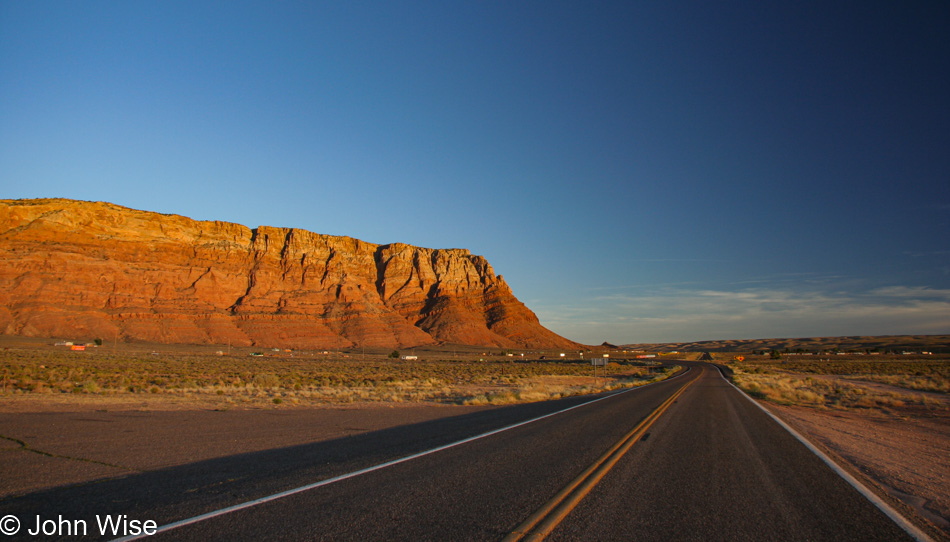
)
(174, 493)
(281, 287)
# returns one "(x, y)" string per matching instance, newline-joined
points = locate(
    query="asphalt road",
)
(712, 467)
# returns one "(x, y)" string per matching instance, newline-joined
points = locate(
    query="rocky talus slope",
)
(80, 269)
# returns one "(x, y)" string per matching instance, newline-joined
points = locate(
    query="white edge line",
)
(888, 510)
(328, 481)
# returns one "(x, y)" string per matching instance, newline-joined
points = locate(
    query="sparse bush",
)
(252, 380)
(808, 391)
(266, 381)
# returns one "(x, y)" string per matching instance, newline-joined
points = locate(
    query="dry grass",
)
(237, 381)
(912, 382)
(808, 391)
(554, 387)
(846, 384)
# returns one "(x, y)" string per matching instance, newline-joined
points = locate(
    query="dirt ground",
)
(906, 451)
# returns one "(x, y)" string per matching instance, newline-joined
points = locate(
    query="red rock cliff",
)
(71, 268)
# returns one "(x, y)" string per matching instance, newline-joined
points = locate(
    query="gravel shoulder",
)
(905, 452)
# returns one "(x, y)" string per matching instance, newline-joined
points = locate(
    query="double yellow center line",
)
(541, 523)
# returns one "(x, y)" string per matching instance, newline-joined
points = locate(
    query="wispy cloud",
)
(927, 254)
(674, 314)
(905, 292)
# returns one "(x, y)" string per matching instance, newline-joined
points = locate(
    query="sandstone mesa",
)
(91, 269)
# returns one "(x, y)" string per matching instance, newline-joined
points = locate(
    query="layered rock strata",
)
(81, 269)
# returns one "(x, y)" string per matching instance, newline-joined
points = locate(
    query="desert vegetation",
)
(884, 415)
(848, 383)
(258, 380)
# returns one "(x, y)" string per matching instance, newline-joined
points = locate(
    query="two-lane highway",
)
(717, 468)
(479, 490)
(689, 458)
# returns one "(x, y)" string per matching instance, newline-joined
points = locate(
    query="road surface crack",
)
(27, 448)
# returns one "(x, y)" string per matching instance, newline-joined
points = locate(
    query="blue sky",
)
(638, 171)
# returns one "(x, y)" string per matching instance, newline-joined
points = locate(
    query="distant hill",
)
(75, 269)
(931, 343)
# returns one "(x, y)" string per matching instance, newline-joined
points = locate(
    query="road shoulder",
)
(903, 459)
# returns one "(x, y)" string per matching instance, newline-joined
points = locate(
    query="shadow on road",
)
(174, 493)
